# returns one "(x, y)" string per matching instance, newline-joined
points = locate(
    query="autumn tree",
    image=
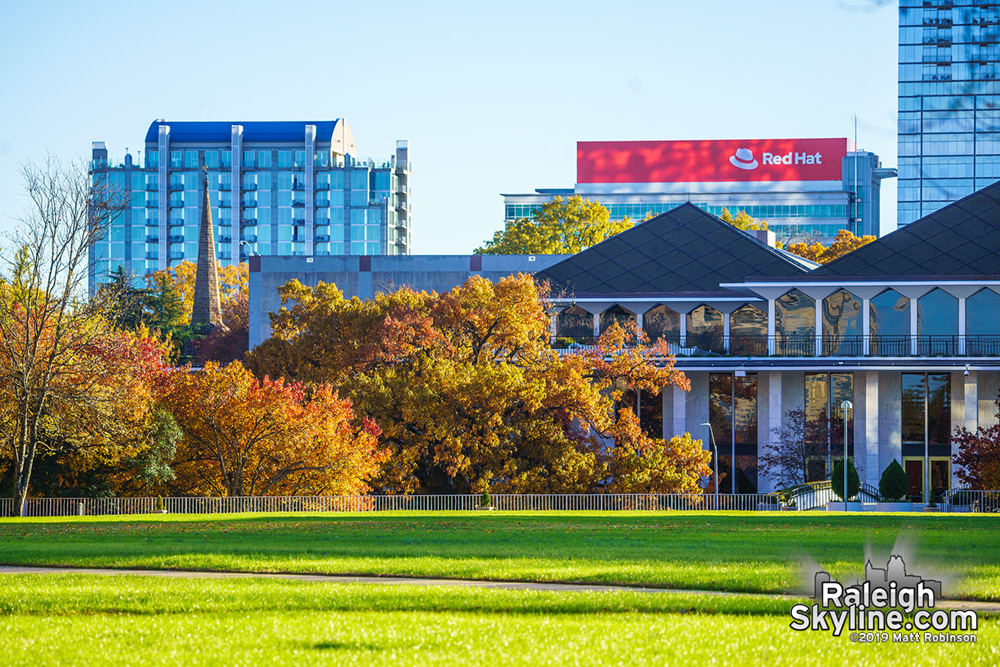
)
(742, 221)
(249, 437)
(469, 394)
(228, 343)
(979, 455)
(233, 280)
(797, 442)
(844, 243)
(557, 228)
(47, 326)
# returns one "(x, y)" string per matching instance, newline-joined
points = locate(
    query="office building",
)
(949, 102)
(806, 189)
(275, 188)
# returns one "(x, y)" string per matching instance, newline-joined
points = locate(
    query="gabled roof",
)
(683, 250)
(961, 239)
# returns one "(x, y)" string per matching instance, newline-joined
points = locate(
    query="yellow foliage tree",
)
(233, 279)
(844, 243)
(557, 228)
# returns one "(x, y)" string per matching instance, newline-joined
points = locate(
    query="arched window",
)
(937, 323)
(576, 324)
(795, 323)
(842, 324)
(615, 315)
(748, 331)
(890, 324)
(662, 322)
(982, 323)
(705, 329)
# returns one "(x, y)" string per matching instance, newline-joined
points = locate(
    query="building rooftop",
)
(253, 131)
(683, 250)
(961, 239)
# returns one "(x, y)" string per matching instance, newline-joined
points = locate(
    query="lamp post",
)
(715, 460)
(845, 406)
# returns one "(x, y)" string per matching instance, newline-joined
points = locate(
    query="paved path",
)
(983, 607)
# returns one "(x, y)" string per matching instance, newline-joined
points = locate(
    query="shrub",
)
(837, 480)
(484, 501)
(893, 484)
(159, 504)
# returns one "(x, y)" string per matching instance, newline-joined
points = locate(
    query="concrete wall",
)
(365, 276)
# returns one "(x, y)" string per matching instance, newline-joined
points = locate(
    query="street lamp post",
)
(715, 458)
(845, 406)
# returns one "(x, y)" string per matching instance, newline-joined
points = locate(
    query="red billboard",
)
(709, 161)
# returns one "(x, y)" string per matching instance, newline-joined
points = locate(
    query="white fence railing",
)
(966, 500)
(436, 503)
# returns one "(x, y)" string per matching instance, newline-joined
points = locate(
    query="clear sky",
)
(491, 96)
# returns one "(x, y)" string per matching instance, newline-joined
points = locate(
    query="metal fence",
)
(966, 500)
(37, 507)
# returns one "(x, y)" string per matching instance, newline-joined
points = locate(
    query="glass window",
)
(153, 159)
(890, 324)
(748, 331)
(842, 326)
(359, 197)
(250, 159)
(662, 322)
(926, 412)
(284, 159)
(264, 159)
(211, 159)
(705, 329)
(824, 420)
(575, 323)
(733, 416)
(226, 158)
(982, 323)
(359, 180)
(300, 159)
(795, 323)
(937, 323)
(176, 159)
(191, 159)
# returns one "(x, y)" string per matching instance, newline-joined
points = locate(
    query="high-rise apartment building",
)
(276, 188)
(949, 102)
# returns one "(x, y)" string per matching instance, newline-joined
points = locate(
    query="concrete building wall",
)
(365, 276)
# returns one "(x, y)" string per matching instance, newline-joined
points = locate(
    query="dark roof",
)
(961, 239)
(682, 250)
(253, 131)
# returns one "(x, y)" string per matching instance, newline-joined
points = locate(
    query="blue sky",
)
(492, 98)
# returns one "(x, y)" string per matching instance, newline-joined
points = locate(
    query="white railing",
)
(437, 503)
(967, 500)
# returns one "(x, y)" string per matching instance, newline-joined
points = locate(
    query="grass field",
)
(711, 551)
(90, 620)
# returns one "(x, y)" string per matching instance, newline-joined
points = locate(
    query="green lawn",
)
(90, 620)
(712, 551)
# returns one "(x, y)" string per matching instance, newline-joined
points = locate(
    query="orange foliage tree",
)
(844, 243)
(469, 394)
(233, 280)
(244, 437)
(979, 455)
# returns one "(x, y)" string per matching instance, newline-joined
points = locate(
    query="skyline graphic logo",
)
(744, 159)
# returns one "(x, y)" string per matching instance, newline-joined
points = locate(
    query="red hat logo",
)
(743, 159)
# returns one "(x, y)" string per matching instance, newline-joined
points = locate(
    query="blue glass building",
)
(949, 102)
(276, 188)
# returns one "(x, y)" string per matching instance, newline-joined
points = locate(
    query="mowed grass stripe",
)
(709, 551)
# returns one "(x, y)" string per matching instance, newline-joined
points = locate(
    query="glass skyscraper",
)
(276, 188)
(949, 102)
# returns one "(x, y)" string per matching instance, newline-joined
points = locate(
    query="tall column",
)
(680, 411)
(725, 331)
(638, 326)
(961, 325)
(163, 147)
(819, 327)
(774, 413)
(872, 471)
(684, 329)
(971, 422)
(866, 326)
(597, 325)
(310, 195)
(236, 218)
(913, 327)
(770, 327)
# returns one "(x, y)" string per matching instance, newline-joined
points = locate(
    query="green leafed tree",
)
(558, 228)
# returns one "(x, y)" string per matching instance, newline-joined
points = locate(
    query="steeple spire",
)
(207, 306)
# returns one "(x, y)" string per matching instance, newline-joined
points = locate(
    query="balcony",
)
(175, 186)
(299, 185)
(152, 239)
(251, 238)
(249, 204)
(176, 238)
(248, 221)
(152, 255)
(225, 239)
(322, 239)
(298, 204)
(249, 187)
(226, 187)
(716, 345)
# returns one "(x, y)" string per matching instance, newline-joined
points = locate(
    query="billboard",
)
(710, 161)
